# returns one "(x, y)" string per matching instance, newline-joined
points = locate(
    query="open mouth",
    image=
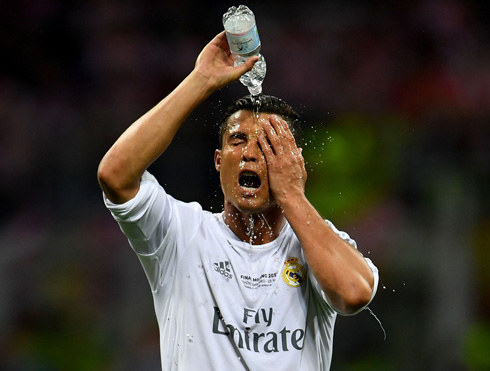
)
(249, 180)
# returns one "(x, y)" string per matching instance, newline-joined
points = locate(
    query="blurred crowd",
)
(395, 98)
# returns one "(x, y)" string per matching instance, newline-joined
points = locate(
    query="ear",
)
(217, 159)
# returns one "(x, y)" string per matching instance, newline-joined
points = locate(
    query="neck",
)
(256, 228)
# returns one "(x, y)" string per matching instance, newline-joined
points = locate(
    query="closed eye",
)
(237, 138)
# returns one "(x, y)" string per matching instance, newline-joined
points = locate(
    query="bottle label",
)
(244, 43)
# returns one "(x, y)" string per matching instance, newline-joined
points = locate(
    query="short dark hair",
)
(268, 104)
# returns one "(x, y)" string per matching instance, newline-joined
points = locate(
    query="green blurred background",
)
(395, 98)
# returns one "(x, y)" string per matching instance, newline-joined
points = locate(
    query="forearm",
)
(146, 139)
(340, 269)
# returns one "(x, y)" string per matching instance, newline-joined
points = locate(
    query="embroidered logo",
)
(223, 268)
(293, 274)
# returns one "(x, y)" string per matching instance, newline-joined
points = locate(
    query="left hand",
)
(285, 163)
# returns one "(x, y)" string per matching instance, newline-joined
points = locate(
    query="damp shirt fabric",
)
(223, 303)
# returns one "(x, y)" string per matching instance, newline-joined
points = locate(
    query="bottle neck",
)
(255, 90)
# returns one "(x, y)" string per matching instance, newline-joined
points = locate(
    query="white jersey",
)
(222, 303)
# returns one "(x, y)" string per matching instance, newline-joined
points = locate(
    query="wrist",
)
(203, 85)
(290, 199)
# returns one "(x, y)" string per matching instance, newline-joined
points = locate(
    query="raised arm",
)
(146, 139)
(339, 268)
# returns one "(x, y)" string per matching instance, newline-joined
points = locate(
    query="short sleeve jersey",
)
(223, 303)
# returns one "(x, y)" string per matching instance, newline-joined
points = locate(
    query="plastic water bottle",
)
(243, 39)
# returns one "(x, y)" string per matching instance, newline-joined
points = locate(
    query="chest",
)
(244, 286)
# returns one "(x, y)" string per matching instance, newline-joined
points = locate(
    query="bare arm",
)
(146, 139)
(340, 269)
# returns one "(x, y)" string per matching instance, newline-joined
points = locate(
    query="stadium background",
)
(396, 102)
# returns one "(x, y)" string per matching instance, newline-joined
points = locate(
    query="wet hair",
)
(268, 104)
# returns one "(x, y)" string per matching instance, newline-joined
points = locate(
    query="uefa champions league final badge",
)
(293, 274)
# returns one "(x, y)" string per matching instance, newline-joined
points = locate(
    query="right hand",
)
(215, 64)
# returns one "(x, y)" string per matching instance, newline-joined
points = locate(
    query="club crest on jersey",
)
(293, 274)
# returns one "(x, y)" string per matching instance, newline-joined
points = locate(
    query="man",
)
(255, 287)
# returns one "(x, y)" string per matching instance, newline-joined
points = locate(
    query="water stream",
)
(256, 103)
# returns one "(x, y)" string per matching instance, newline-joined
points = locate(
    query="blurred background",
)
(395, 98)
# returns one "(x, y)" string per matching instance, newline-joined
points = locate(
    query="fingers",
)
(266, 149)
(279, 135)
(220, 39)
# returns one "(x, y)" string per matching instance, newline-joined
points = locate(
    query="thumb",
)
(247, 65)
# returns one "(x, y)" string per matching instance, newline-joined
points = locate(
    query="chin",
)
(254, 206)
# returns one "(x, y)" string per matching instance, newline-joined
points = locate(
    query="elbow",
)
(356, 298)
(357, 303)
(105, 176)
(114, 183)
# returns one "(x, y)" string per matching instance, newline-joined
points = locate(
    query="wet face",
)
(242, 165)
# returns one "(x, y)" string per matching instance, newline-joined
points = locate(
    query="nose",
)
(251, 152)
